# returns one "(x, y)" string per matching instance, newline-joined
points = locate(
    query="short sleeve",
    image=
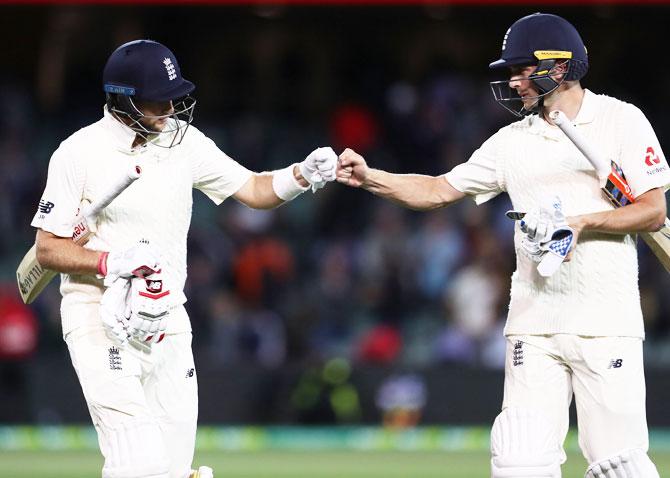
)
(479, 176)
(214, 172)
(62, 195)
(642, 159)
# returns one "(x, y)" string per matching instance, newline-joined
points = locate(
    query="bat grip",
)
(601, 165)
(117, 188)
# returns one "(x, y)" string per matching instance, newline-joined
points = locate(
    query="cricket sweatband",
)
(285, 185)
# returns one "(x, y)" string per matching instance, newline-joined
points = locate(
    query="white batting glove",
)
(547, 237)
(556, 250)
(113, 310)
(137, 261)
(149, 308)
(319, 167)
(540, 223)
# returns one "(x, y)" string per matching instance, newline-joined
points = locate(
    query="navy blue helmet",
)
(545, 41)
(147, 71)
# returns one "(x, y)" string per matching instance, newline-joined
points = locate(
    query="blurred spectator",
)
(381, 345)
(474, 301)
(401, 399)
(18, 326)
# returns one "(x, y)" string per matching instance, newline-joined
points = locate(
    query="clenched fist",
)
(318, 168)
(352, 169)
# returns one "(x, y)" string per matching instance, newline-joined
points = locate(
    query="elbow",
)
(44, 252)
(658, 223)
(42, 255)
(658, 219)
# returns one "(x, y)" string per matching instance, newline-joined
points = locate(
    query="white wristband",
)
(285, 185)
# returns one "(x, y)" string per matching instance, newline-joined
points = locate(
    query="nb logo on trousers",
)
(615, 363)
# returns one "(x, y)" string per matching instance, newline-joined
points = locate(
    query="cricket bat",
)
(31, 277)
(614, 185)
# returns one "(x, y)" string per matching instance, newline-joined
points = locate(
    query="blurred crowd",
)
(336, 274)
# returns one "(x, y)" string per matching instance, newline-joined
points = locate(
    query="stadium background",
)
(337, 309)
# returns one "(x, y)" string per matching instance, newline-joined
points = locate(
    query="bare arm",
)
(62, 255)
(257, 192)
(413, 191)
(646, 214)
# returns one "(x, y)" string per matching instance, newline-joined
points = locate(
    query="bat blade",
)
(615, 187)
(659, 243)
(31, 277)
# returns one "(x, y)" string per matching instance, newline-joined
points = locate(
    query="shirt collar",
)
(587, 112)
(122, 136)
(585, 115)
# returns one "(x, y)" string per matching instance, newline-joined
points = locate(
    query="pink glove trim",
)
(102, 264)
(154, 296)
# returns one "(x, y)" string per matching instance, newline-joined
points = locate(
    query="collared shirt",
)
(596, 293)
(155, 209)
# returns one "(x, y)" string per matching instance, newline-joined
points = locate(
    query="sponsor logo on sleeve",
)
(45, 206)
(652, 160)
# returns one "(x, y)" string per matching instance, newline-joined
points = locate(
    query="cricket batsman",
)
(123, 316)
(574, 327)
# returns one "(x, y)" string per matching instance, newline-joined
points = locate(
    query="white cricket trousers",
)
(606, 376)
(143, 401)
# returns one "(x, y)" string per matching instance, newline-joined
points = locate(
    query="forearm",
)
(259, 192)
(631, 219)
(413, 191)
(62, 255)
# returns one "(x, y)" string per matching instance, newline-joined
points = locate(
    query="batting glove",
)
(113, 310)
(319, 167)
(541, 223)
(137, 261)
(555, 251)
(149, 308)
(547, 237)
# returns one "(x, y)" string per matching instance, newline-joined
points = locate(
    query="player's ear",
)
(561, 67)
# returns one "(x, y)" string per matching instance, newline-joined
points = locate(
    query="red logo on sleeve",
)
(651, 157)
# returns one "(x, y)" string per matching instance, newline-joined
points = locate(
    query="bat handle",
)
(602, 166)
(122, 183)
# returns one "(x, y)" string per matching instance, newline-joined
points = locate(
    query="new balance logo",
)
(171, 70)
(615, 363)
(45, 207)
(115, 359)
(517, 353)
(190, 372)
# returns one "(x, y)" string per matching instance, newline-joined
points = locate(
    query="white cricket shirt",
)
(155, 209)
(596, 293)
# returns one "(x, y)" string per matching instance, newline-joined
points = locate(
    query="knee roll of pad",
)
(134, 449)
(633, 463)
(524, 444)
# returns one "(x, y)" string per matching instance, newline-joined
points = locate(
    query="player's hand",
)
(547, 238)
(137, 261)
(319, 167)
(540, 223)
(113, 309)
(149, 305)
(352, 169)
